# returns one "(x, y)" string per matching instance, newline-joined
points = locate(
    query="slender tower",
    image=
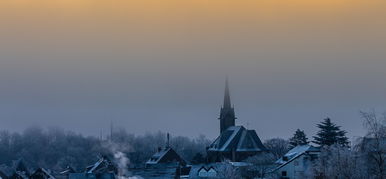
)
(227, 113)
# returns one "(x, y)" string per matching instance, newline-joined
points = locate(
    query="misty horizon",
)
(160, 66)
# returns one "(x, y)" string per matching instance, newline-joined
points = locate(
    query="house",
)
(219, 170)
(68, 170)
(21, 171)
(234, 143)
(103, 165)
(297, 162)
(5, 172)
(165, 156)
(165, 163)
(19, 175)
(3, 175)
(41, 173)
(102, 169)
(207, 171)
(171, 170)
(204, 172)
(65, 173)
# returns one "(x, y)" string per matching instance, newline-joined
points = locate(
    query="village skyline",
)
(192, 89)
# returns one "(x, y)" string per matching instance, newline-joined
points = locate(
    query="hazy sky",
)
(152, 65)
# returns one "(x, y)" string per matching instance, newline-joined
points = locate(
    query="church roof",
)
(239, 139)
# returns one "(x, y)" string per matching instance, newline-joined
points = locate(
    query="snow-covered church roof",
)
(239, 139)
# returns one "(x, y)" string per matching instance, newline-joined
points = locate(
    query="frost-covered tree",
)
(262, 164)
(339, 162)
(329, 134)
(299, 138)
(277, 146)
(373, 145)
(227, 170)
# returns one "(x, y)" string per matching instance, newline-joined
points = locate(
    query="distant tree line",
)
(55, 148)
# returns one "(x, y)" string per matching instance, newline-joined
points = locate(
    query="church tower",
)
(227, 113)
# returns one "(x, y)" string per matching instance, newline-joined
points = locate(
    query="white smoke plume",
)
(121, 160)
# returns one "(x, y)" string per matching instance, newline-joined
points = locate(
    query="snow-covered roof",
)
(239, 139)
(164, 156)
(158, 156)
(45, 172)
(96, 165)
(101, 166)
(295, 153)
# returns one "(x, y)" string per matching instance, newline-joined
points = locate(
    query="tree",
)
(373, 145)
(330, 134)
(277, 146)
(339, 162)
(227, 170)
(299, 138)
(261, 164)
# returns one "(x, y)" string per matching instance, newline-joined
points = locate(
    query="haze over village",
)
(192, 89)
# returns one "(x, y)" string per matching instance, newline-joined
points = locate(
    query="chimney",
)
(167, 140)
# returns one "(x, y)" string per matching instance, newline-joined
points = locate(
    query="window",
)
(284, 173)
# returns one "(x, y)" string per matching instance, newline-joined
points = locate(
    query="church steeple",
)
(227, 113)
(227, 96)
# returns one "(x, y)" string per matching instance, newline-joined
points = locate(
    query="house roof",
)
(295, 153)
(44, 171)
(239, 139)
(163, 154)
(68, 170)
(158, 155)
(101, 166)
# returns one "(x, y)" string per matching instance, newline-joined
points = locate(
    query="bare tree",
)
(262, 164)
(228, 171)
(277, 146)
(373, 145)
(340, 162)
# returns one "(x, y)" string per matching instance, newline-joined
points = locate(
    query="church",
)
(234, 143)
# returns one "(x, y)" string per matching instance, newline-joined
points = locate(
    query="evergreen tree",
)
(329, 134)
(299, 138)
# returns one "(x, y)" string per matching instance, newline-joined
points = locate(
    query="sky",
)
(150, 65)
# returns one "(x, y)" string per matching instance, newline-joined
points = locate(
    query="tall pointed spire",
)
(227, 113)
(227, 96)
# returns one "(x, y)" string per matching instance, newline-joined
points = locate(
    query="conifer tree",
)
(299, 138)
(329, 134)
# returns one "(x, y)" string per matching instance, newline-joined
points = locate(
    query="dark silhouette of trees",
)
(299, 138)
(329, 134)
(56, 149)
